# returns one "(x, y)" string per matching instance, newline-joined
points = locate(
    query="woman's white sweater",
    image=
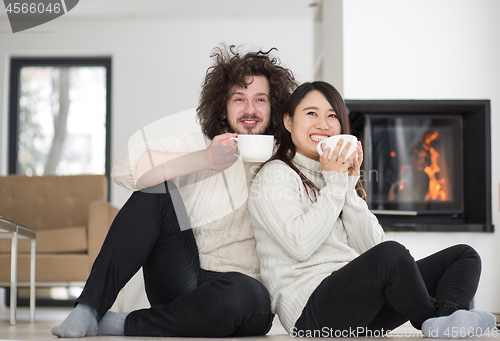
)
(300, 243)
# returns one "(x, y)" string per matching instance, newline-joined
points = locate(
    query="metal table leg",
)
(13, 279)
(32, 280)
(14, 231)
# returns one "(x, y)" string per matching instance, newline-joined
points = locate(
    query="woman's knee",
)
(469, 253)
(393, 259)
(393, 253)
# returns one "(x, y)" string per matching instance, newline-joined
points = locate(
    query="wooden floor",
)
(46, 318)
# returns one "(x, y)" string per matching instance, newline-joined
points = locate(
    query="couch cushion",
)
(50, 201)
(63, 240)
(49, 268)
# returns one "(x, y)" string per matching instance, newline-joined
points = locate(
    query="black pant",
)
(384, 287)
(185, 300)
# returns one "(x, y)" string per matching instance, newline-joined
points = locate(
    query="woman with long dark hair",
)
(322, 254)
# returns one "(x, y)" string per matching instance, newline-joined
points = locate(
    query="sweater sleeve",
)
(123, 172)
(276, 206)
(362, 226)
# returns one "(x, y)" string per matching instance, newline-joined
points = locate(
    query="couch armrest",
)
(101, 215)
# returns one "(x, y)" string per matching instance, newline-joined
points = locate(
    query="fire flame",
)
(424, 160)
(435, 191)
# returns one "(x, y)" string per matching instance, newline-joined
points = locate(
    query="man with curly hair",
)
(187, 223)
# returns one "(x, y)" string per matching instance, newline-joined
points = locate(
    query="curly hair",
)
(230, 69)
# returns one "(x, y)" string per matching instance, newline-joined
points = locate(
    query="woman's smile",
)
(318, 137)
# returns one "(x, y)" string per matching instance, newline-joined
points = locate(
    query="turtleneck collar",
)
(306, 163)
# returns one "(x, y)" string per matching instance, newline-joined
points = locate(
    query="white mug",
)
(255, 148)
(332, 141)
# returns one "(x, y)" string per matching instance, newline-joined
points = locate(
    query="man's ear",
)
(287, 121)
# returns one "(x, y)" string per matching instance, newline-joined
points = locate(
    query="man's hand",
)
(224, 140)
(221, 153)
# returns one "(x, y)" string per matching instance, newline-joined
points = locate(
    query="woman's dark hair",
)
(230, 69)
(286, 149)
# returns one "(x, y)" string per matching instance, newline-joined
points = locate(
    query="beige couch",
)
(71, 216)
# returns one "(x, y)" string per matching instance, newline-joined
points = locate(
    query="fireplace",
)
(427, 164)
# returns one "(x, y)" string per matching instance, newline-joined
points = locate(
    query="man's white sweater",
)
(216, 204)
(299, 242)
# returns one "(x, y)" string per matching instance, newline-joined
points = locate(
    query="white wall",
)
(431, 49)
(158, 65)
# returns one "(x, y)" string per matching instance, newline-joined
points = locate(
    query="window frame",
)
(16, 64)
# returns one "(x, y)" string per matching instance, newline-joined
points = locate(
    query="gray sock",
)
(82, 321)
(112, 324)
(461, 323)
(488, 322)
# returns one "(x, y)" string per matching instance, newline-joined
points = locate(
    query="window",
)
(60, 116)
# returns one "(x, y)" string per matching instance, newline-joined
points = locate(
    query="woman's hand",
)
(336, 162)
(221, 153)
(355, 168)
